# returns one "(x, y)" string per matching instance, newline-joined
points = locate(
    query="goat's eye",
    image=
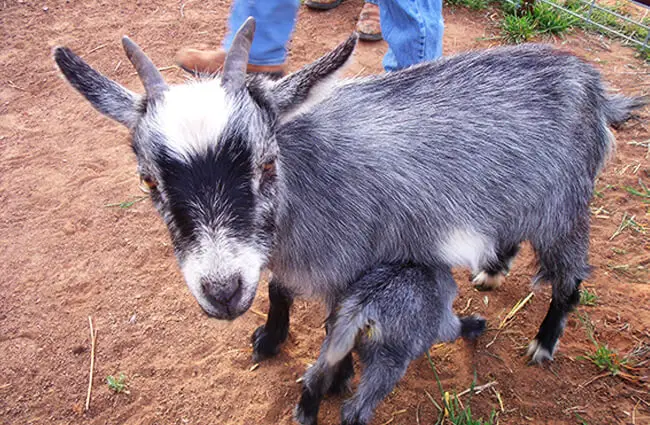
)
(148, 183)
(268, 169)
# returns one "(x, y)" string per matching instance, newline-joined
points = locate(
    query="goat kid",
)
(390, 317)
(452, 162)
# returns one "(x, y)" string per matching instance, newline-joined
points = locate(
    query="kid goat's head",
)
(208, 153)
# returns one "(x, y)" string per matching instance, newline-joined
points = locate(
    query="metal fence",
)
(587, 15)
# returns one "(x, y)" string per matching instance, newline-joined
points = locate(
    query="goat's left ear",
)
(295, 89)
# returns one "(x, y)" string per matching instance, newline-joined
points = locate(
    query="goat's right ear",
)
(295, 89)
(108, 97)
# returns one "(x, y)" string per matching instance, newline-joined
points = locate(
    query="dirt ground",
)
(65, 255)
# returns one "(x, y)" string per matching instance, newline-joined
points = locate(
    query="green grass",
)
(602, 356)
(552, 21)
(611, 21)
(470, 4)
(605, 358)
(117, 385)
(588, 298)
(518, 29)
(127, 204)
(581, 420)
(644, 192)
(453, 410)
(628, 222)
(477, 4)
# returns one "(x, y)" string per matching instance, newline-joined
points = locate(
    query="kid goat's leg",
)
(382, 371)
(267, 338)
(317, 382)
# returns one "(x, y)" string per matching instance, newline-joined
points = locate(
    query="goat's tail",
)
(619, 109)
(351, 321)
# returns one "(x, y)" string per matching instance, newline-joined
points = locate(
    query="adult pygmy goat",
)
(390, 316)
(451, 162)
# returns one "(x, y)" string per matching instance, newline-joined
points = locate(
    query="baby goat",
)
(390, 316)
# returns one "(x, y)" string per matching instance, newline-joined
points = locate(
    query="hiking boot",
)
(368, 25)
(322, 4)
(211, 61)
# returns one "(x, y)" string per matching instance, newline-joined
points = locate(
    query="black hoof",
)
(265, 345)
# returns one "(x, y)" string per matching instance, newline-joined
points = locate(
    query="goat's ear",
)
(108, 97)
(295, 89)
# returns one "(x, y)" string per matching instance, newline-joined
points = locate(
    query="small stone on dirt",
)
(78, 349)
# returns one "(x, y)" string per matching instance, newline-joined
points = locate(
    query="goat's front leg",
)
(268, 337)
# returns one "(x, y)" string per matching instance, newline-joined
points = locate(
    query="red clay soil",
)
(67, 256)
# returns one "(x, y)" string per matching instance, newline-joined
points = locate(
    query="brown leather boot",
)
(211, 61)
(368, 25)
(322, 4)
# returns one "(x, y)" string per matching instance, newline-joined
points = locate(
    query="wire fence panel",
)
(640, 36)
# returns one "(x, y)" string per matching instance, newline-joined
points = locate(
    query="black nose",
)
(222, 293)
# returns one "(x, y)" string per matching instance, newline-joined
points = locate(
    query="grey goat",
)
(390, 316)
(450, 162)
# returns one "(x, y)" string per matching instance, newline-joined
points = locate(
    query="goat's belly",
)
(466, 248)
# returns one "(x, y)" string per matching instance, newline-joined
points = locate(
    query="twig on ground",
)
(259, 313)
(101, 46)
(520, 304)
(595, 378)
(93, 338)
(478, 389)
(12, 85)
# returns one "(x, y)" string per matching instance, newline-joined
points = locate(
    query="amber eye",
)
(148, 183)
(268, 168)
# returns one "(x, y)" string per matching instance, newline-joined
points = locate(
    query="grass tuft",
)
(588, 298)
(117, 385)
(644, 192)
(606, 359)
(452, 410)
(518, 29)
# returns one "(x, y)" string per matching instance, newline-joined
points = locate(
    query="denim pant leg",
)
(275, 20)
(413, 30)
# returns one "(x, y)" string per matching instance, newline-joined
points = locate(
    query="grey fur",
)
(391, 316)
(445, 163)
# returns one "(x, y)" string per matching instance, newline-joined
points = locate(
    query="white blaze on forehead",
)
(192, 116)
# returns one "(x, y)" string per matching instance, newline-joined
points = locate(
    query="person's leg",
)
(413, 30)
(275, 20)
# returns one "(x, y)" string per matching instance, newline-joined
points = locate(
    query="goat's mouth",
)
(230, 310)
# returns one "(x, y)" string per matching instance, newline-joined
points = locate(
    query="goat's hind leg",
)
(493, 273)
(267, 338)
(564, 265)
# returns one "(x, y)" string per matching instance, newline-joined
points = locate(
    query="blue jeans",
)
(412, 28)
(274, 21)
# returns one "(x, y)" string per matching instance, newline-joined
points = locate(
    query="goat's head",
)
(208, 153)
